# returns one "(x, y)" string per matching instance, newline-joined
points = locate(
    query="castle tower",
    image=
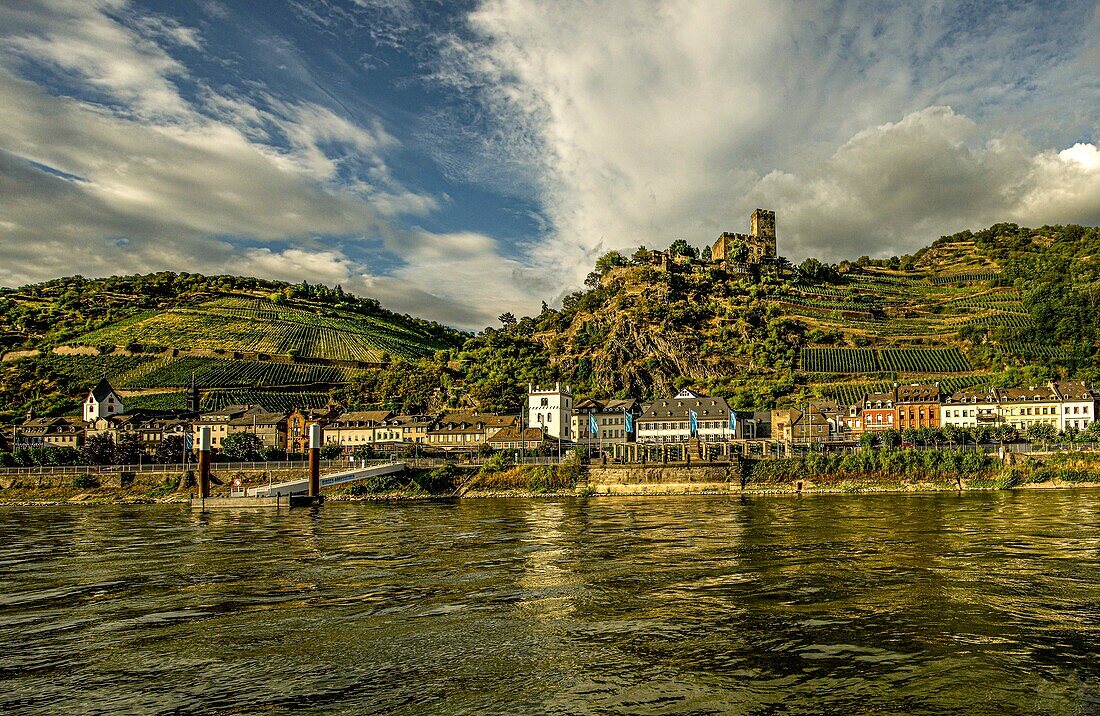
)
(551, 409)
(760, 241)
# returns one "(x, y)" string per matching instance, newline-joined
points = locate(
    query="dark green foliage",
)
(85, 482)
(242, 447)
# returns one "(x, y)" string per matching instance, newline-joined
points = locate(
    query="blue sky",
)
(460, 159)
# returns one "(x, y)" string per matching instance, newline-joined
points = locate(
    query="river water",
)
(911, 604)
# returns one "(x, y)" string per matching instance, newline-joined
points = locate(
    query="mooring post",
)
(204, 463)
(314, 460)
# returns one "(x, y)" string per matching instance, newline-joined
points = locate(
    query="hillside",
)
(1003, 306)
(151, 335)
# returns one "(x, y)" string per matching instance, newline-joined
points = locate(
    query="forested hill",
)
(1004, 306)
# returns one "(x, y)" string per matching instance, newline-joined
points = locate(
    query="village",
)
(554, 422)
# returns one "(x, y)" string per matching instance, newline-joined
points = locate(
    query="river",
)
(980, 603)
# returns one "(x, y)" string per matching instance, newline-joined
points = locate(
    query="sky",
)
(460, 159)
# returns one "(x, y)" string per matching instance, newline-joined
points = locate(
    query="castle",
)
(760, 241)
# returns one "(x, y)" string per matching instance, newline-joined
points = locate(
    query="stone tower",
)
(762, 225)
(760, 241)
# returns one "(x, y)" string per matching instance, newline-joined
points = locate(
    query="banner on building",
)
(593, 426)
(694, 419)
(629, 422)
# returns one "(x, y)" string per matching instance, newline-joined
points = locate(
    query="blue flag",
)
(187, 442)
(630, 422)
(733, 421)
(694, 419)
(593, 426)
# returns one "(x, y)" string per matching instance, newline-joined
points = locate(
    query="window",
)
(545, 403)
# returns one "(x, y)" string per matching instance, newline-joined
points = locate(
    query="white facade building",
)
(102, 402)
(551, 410)
(970, 408)
(669, 420)
(1078, 408)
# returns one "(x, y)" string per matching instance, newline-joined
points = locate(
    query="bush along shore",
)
(866, 470)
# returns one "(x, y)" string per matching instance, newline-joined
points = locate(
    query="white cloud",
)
(652, 121)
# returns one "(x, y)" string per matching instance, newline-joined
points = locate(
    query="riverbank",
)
(854, 473)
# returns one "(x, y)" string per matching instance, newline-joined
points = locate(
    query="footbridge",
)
(293, 487)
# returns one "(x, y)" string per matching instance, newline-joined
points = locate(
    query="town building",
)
(360, 427)
(269, 427)
(102, 401)
(1078, 405)
(218, 422)
(1023, 407)
(970, 408)
(59, 432)
(760, 241)
(150, 426)
(552, 410)
(468, 431)
(611, 421)
(298, 422)
(917, 406)
(876, 411)
(815, 424)
(670, 420)
(414, 428)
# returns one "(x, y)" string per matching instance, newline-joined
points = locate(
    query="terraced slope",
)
(259, 326)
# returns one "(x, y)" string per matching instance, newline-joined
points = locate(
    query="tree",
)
(507, 319)
(610, 260)
(170, 450)
(363, 452)
(98, 450)
(1041, 432)
(243, 447)
(331, 451)
(680, 247)
(706, 255)
(739, 252)
(890, 438)
(128, 449)
(867, 440)
(1005, 434)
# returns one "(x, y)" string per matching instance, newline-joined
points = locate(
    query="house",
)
(876, 411)
(752, 425)
(611, 421)
(551, 409)
(60, 432)
(150, 426)
(413, 428)
(813, 425)
(917, 406)
(1023, 407)
(670, 420)
(516, 438)
(102, 401)
(218, 422)
(360, 427)
(1078, 408)
(298, 422)
(468, 431)
(269, 427)
(970, 408)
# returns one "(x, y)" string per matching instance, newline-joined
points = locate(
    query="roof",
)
(514, 434)
(487, 419)
(363, 416)
(917, 394)
(101, 390)
(1073, 390)
(878, 398)
(680, 408)
(608, 406)
(1033, 393)
(971, 395)
(253, 418)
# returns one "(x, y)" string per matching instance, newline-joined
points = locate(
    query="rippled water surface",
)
(971, 604)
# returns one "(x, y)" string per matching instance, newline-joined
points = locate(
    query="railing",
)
(171, 467)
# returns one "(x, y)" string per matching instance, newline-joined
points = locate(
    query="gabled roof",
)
(101, 390)
(514, 434)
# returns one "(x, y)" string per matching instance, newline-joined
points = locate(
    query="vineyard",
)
(866, 360)
(279, 401)
(221, 373)
(254, 325)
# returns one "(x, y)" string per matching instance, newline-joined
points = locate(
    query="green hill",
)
(1005, 305)
(158, 332)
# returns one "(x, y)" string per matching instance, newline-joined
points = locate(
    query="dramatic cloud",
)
(460, 160)
(651, 121)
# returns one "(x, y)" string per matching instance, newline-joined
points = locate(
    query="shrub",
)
(84, 482)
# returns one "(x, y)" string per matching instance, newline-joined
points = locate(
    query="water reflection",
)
(976, 603)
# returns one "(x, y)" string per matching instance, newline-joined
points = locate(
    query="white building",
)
(1078, 408)
(1023, 407)
(102, 402)
(669, 420)
(551, 410)
(970, 408)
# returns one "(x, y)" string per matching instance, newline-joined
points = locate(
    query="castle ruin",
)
(760, 241)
